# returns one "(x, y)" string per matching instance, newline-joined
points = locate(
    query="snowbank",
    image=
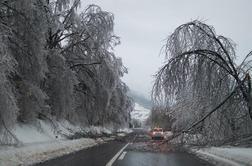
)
(168, 134)
(45, 140)
(124, 130)
(94, 130)
(44, 131)
(34, 153)
(226, 156)
(189, 139)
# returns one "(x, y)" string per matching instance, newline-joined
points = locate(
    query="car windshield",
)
(125, 82)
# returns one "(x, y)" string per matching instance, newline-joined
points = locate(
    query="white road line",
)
(122, 155)
(116, 156)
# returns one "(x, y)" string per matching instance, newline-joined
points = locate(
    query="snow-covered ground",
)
(168, 134)
(124, 130)
(189, 139)
(43, 140)
(44, 131)
(140, 113)
(226, 156)
(33, 153)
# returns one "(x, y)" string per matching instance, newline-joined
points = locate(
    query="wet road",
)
(146, 152)
(136, 149)
(94, 156)
(159, 159)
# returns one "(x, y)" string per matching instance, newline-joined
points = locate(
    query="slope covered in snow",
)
(43, 140)
(140, 113)
(30, 154)
(44, 131)
(226, 156)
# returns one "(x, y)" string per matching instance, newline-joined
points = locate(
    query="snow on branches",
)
(58, 63)
(199, 73)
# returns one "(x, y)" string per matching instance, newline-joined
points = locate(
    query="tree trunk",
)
(249, 96)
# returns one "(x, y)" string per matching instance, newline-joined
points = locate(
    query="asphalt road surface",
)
(159, 159)
(136, 149)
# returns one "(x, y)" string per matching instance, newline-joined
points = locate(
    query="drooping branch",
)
(85, 64)
(189, 52)
(202, 119)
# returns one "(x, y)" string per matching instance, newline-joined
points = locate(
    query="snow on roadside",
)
(37, 152)
(125, 130)
(43, 140)
(226, 156)
(44, 131)
(97, 130)
(168, 134)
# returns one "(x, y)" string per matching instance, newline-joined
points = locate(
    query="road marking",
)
(116, 156)
(122, 155)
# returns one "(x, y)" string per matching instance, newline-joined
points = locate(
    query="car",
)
(157, 133)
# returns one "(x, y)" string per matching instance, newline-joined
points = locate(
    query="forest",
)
(57, 63)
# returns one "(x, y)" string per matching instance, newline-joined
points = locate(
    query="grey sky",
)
(144, 24)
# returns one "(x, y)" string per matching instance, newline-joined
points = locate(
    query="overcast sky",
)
(144, 24)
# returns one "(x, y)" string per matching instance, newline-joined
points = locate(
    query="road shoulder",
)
(225, 156)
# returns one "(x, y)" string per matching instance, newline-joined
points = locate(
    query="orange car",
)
(157, 133)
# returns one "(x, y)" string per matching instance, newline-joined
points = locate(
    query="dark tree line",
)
(58, 63)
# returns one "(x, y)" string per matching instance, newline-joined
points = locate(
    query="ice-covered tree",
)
(57, 63)
(200, 77)
(26, 21)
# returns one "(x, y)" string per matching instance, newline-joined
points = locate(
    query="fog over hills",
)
(140, 113)
(142, 107)
(140, 99)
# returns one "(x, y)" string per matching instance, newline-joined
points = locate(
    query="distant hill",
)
(140, 99)
(140, 113)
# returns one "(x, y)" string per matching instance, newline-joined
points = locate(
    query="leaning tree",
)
(200, 67)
